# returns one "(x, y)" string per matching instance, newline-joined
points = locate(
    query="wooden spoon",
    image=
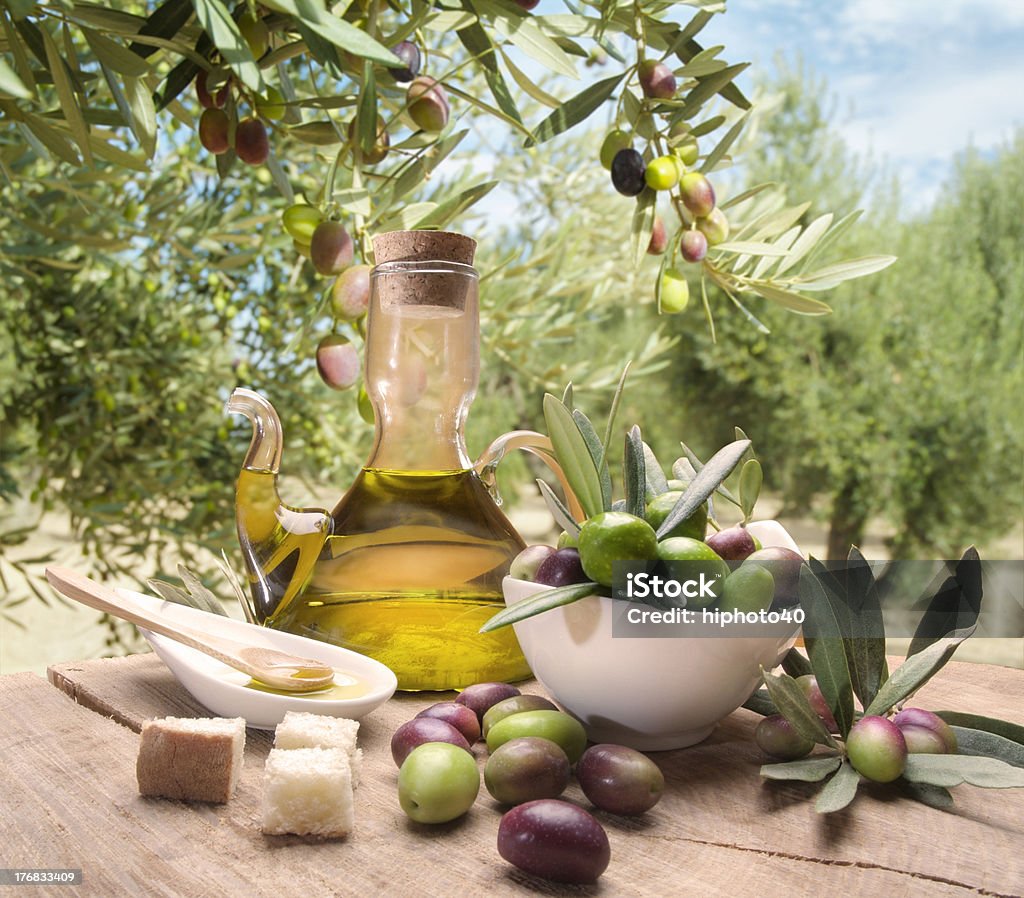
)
(269, 666)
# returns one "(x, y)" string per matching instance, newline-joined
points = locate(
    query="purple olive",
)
(526, 769)
(214, 129)
(481, 696)
(876, 749)
(784, 565)
(421, 730)
(809, 684)
(459, 716)
(428, 103)
(659, 238)
(251, 142)
(714, 226)
(777, 738)
(733, 543)
(628, 172)
(409, 53)
(919, 717)
(525, 565)
(693, 246)
(561, 568)
(554, 840)
(656, 80)
(620, 780)
(514, 705)
(337, 361)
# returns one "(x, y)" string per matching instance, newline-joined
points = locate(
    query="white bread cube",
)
(304, 730)
(308, 792)
(192, 759)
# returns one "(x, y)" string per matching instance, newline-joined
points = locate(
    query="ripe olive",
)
(565, 731)
(206, 99)
(809, 684)
(480, 696)
(350, 294)
(656, 79)
(331, 248)
(620, 779)
(409, 53)
(697, 193)
(777, 738)
(561, 568)
(514, 705)
(876, 749)
(337, 360)
(693, 246)
(659, 237)
(379, 151)
(628, 172)
(421, 730)
(919, 717)
(554, 840)
(714, 226)
(613, 142)
(459, 716)
(526, 769)
(785, 566)
(662, 173)
(427, 103)
(251, 142)
(675, 292)
(527, 4)
(213, 130)
(733, 543)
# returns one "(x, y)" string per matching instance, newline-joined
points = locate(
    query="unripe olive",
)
(251, 142)
(301, 248)
(255, 32)
(777, 738)
(922, 741)
(628, 172)
(697, 193)
(748, 589)
(659, 237)
(514, 705)
(364, 406)
(693, 246)
(809, 684)
(380, 144)
(272, 105)
(331, 248)
(337, 360)
(428, 103)
(919, 717)
(614, 141)
(675, 292)
(688, 151)
(662, 173)
(213, 130)
(300, 221)
(350, 294)
(656, 79)
(876, 749)
(409, 53)
(714, 226)
(526, 564)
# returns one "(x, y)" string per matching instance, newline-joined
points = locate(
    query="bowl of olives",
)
(652, 692)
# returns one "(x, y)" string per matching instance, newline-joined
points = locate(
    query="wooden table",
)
(68, 799)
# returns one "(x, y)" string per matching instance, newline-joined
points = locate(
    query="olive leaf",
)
(824, 617)
(806, 770)
(839, 791)
(937, 797)
(760, 703)
(696, 464)
(654, 475)
(217, 22)
(616, 401)
(795, 664)
(573, 455)
(751, 478)
(597, 454)
(794, 705)
(865, 648)
(1012, 731)
(708, 479)
(955, 605)
(989, 745)
(574, 110)
(634, 475)
(563, 517)
(952, 770)
(194, 595)
(543, 601)
(643, 224)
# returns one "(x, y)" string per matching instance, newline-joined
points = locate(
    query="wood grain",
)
(69, 798)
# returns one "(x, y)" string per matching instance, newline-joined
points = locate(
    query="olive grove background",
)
(141, 280)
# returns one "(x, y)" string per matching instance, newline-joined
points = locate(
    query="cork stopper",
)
(423, 246)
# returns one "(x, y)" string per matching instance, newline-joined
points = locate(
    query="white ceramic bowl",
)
(651, 693)
(223, 690)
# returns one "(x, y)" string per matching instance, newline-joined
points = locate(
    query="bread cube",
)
(307, 792)
(192, 759)
(304, 730)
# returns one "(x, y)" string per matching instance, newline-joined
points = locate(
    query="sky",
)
(917, 81)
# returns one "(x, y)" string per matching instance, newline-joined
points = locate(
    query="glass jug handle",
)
(536, 444)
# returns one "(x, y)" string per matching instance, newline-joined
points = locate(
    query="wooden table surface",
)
(68, 798)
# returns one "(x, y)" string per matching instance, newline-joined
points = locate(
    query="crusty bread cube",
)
(193, 759)
(304, 730)
(308, 792)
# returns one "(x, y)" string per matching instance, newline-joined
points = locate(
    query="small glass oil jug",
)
(408, 566)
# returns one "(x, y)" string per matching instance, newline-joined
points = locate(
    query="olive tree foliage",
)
(143, 278)
(903, 405)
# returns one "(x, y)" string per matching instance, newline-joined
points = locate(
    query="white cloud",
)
(876, 16)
